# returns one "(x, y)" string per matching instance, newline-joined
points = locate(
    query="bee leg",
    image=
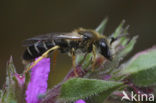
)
(44, 55)
(94, 57)
(54, 58)
(73, 62)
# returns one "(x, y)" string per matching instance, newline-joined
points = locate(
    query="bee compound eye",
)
(103, 44)
(104, 49)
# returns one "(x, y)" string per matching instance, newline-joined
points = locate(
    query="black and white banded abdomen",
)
(37, 49)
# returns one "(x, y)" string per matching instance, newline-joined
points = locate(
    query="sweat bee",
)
(75, 42)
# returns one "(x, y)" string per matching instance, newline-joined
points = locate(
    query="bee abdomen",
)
(37, 50)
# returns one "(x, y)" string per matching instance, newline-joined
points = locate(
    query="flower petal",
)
(38, 82)
(80, 101)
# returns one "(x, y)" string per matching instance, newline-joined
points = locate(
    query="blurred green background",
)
(22, 19)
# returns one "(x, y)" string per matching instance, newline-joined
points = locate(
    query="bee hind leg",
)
(54, 58)
(44, 55)
(74, 62)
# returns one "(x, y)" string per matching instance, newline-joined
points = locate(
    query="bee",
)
(76, 42)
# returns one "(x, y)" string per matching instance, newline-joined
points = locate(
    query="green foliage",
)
(100, 29)
(8, 95)
(123, 45)
(81, 88)
(142, 68)
(119, 30)
(102, 97)
(79, 59)
(12, 92)
(128, 47)
(145, 77)
(141, 61)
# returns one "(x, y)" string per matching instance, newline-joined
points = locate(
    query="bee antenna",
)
(114, 39)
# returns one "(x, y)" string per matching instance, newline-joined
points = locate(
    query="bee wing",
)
(71, 36)
(52, 36)
(40, 38)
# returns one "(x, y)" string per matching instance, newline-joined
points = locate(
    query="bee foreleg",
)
(94, 57)
(44, 55)
(74, 62)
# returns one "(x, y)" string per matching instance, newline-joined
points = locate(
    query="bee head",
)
(104, 49)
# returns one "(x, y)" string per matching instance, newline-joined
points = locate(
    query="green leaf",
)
(81, 88)
(100, 29)
(128, 47)
(141, 61)
(142, 68)
(145, 77)
(85, 62)
(12, 93)
(119, 30)
(9, 94)
(101, 97)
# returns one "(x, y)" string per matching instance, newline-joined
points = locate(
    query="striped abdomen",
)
(66, 46)
(37, 49)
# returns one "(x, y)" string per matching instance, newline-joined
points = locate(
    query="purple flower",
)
(80, 101)
(38, 81)
(107, 77)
